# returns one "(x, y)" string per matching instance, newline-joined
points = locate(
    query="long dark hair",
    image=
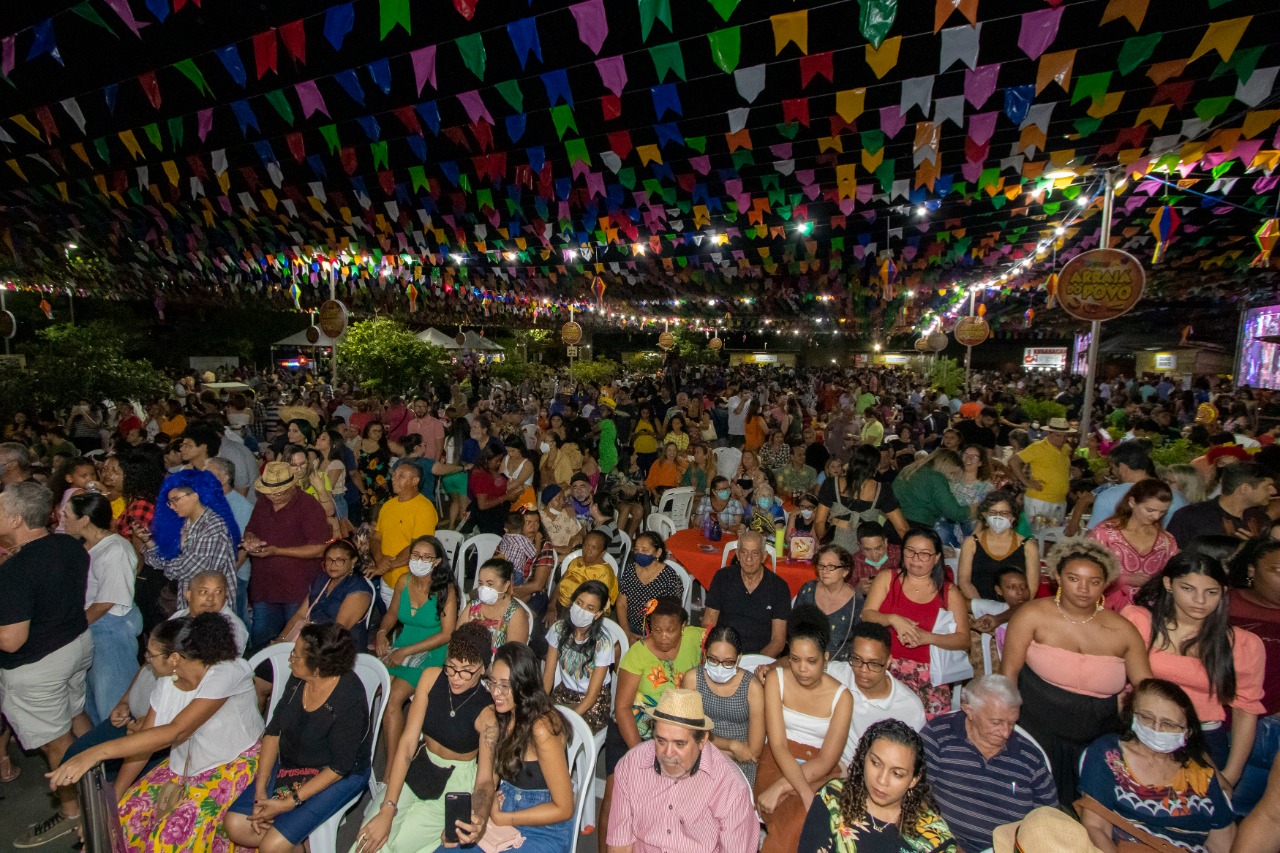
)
(1213, 643)
(863, 465)
(529, 702)
(601, 592)
(1254, 552)
(441, 575)
(939, 573)
(918, 798)
(1195, 749)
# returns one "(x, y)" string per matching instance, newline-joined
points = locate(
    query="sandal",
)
(8, 772)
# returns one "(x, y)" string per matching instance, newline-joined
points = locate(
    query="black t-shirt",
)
(44, 583)
(335, 735)
(816, 456)
(1208, 518)
(974, 433)
(750, 613)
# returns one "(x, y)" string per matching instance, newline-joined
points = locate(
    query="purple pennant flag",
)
(980, 84)
(613, 73)
(121, 8)
(7, 56)
(1039, 29)
(891, 120)
(781, 151)
(805, 176)
(204, 123)
(864, 193)
(312, 100)
(592, 26)
(476, 110)
(701, 164)
(981, 126)
(424, 66)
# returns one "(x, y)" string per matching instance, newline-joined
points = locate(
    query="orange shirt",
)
(664, 474)
(755, 434)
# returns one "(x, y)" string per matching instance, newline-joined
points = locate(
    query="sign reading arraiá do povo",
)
(571, 333)
(333, 318)
(1101, 284)
(971, 331)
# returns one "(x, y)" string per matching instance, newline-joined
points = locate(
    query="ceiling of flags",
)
(849, 165)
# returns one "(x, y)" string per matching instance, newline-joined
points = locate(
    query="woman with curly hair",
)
(206, 714)
(193, 530)
(1071, 658)
(884, 804)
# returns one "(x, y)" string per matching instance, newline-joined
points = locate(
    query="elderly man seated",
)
(756, 602)
(982, 772)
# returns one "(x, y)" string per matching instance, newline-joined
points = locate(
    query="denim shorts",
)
(554, 838)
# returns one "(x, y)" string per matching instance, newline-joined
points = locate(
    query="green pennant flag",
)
(379, 152)
(1085, 126)
(1092, 86)
(769, 182)
(152, 132)
(872, 141)
(876, 19)
(726, 48)
(562, 117)
(1243, 62)
(90, 14)
(724, 8)
(418, 178)
(510, 92)
(654, 10)
(193, 73)
(667, 58)
(789, 130)
(697, 143)
(393, 13)
(484, 198)
(999, 200)
(576, 149)
(1210, 108)
(989, 178)
(175, 131)
(473, 54)
(627, 177)
(742, 158)
(1136, 51)
(1052, 207)
(330, 134)
(281, 105)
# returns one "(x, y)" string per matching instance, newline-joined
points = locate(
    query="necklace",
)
(877, 825)
(1074, 621)
(453, 712)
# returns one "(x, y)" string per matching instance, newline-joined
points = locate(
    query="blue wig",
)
(166, 527)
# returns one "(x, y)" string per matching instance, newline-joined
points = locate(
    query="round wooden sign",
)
(971, 331)
(715, 344)
(313, 334)
(8, 324)
(333, 318)
(1101, 284)
(667, 341)
(922, 345)
(571, 333)
(936, 342)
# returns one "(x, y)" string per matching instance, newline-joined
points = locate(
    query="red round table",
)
(702, 558)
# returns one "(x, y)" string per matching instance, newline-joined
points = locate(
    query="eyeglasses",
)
(831, 567)
(1158, 724)
(459, 672)
(495, 687)
(173, 499)
(912, 554)
(869, 665)
(717, 662)
(336, 561)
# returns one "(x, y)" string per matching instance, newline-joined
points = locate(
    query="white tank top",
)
(804, 728)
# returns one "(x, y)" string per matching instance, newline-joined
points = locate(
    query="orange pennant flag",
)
(1162, 71)
(944, 8)
(1259, 120)
(1055, 68)
(1222, 36)
(1132, 11)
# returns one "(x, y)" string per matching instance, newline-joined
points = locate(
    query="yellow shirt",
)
(401, 522)
(117, 508)
(579, 573)
(1052, 467)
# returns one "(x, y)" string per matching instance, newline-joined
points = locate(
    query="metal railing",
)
(100, 813)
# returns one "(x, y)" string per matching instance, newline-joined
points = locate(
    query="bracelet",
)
(297, 801)
(395, 807)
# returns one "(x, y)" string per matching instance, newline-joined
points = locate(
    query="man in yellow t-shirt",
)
(591, 566)
(401, 520)
(1044, 468)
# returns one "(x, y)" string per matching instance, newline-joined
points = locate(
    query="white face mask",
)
(544, 447)
(421, 568)
(998, 523)
(720, 674)
(488, 595)
(806, 514)
(1162, 742)
(581, 617)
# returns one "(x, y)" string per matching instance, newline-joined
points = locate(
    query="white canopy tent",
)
(479, 343)
(437, 338)
(300, 340)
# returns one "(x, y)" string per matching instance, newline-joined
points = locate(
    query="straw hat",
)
(1044, 830)
(682, 708)
(1060, 425)
(276, 478)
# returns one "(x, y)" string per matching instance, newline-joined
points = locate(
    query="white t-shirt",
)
(604, 658)
(232, 729)
(738, 420)
(238, 630)
(727, 461)
(113, 567)
(901, 704)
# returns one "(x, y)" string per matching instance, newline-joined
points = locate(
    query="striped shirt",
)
(708, 812)
(977, 794)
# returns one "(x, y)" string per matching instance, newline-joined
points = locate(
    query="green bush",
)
(1041, 411)
(599, 370)
(384, 356)
(947, 375)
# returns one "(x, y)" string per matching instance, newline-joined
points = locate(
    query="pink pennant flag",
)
(312, 100)
(613, 73)
(981, 126)
(424, 66)
(980, 84)
(204, 123)
(121, 8)
(1039, 29)
(476, 110)
(592, 26)
(891, 120)
(7, 57)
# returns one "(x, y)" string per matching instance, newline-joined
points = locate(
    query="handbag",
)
(424, 777)
(945, 665)
(296, 630)
(172, 793)
(1145, 842)
(496, 838)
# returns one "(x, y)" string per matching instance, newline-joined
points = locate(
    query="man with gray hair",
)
(982, 771)
(15, 463)
(45, 646)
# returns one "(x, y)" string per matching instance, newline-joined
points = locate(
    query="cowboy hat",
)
(682, 708)
(276, 478)
(1060, 425)
(1044, 830)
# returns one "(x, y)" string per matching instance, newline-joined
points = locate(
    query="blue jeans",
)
(102, 733)
(296, 824)
(554, 838)
(1266, 745)
(340, 505)
(269, 619)
(952, 534)
(115, 660)
(242, 600)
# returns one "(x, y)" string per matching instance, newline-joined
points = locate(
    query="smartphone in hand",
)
(457, 807)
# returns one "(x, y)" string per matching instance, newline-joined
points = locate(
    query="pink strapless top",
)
(1099, 676)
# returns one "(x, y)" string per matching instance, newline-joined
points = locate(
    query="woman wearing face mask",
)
(802, 520)
(766, 514)
(425, 603)
(645, 577)
(994, 546)
(1182, 614)
(1137, 538)
(1157, 775)
(576, 673)
(339, 595)
(495, 607)
(832, 594)
(732, 698)
(721, 501)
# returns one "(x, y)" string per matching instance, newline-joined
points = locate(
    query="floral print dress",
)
(825, 830)
(375, 468)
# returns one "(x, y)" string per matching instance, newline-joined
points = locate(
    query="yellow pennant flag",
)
(131, 143)
(1222, 36)
(1133, 11)
(850, 103)
(791, 27)
(1055, 68)
(882, 61)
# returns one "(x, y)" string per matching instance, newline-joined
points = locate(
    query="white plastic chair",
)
(482, 546)
(677, 504)
(452, 541)
(727, 461)
(986, 607)
(751, 662)
(730, 547)
(276, 654)
(582, 762)
(660, 524)
(620, 546)
(686, 580)
(1020, 730)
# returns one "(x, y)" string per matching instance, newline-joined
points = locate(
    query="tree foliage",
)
(947, 375)
(693, 349)
(600, 371)
(66, 364)
(384, 356)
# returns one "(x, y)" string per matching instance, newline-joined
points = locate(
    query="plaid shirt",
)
(206, 544)
(139, 511)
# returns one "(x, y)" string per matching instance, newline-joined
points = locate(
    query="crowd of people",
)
(1011, 619)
